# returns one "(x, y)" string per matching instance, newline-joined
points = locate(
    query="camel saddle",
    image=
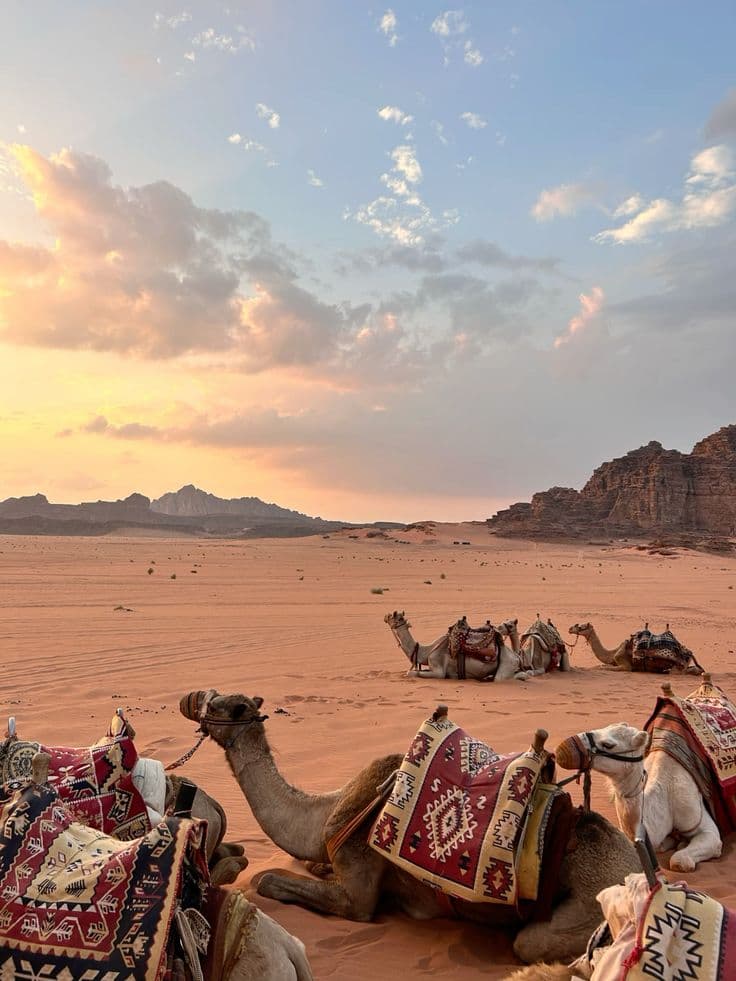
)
(474, 825)
(80, 905)
(658, 653)
(475, 643)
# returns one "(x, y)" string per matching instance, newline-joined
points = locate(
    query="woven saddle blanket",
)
(481, 643)
(669, 933)
(457, 816)
(700, 733)
(95, 782)
(78, 905)
(658, 652)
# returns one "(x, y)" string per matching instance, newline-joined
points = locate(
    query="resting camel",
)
(653, 788)
(302, 824)
(537, 648)
(620, 657)
(436, 656)
(246, 944)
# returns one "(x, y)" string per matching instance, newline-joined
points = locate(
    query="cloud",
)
(722, 121)
(473, 120)
(248, 145)
(209, 38)
(590, 306)
(190, 56)
(313, 180)
(630, 206)
(395, 115)
(387, 26)
(565, 200)
(491, 255)
(708, 199)
(450, 23)
(472, 55)
(272, 118)
(176, 20)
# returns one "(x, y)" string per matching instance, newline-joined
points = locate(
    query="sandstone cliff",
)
(648, 490)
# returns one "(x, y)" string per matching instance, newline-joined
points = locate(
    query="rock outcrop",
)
(190, 502)
(648, 490)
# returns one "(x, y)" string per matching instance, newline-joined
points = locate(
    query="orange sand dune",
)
(295, 621)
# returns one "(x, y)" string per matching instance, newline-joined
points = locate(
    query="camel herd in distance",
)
(499, 653)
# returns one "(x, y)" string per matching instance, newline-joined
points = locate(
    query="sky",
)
(367, 262)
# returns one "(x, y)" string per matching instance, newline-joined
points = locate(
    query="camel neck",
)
(292, 819)
(405, 639)
(602, 653)
(628, 790)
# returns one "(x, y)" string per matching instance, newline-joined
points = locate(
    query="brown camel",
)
(302, 824)
(620, 658)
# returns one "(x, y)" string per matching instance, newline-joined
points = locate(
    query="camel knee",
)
(541, 941)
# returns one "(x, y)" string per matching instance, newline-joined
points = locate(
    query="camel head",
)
(508, 628)
(396, 620)
(583, 629)
(223, 716)
(610, 750)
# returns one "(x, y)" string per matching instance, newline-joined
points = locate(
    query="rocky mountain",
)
(650, 490)
(191, 502)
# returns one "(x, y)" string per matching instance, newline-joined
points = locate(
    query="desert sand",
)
(295, 621)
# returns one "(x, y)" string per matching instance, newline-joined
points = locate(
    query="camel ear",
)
(258, 700)
(516, 622)
(641, 739)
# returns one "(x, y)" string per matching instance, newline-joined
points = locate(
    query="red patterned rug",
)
(79, 905)
(94, 782)
(700, 733)
(457, 814)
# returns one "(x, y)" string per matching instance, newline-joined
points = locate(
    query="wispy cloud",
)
(313, 180)
(248, 145)
(271, 116)
(472, 55)
(590, 306)
(229, 43)
(722, 121)
(388, 27)
(450, 23)
(176, 20)
(395, 115)
(564, 200)
(439, 131)
(708, 199)
(473, 120)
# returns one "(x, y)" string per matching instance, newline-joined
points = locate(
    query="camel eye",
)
(608, 744)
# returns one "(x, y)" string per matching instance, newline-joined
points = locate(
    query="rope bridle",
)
(204, 719)
(414, 656)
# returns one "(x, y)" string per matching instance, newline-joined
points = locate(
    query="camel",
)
(537, 648)
(655, 789)
(302, 824)
(620, 658)
(436, 656)
(245, 945)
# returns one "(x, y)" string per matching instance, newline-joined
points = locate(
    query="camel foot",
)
(321, 869)
(228, 869)
(226, 849)
(681, 862)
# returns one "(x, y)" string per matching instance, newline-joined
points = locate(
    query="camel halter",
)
(415, 651)
(592, 750)
(204, 718)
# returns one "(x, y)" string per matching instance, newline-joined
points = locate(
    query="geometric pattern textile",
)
(78, 905)
(670, 933)
(95, 782)
(700, 733)
(457, 814)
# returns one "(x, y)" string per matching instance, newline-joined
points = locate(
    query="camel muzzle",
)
(573, 754)
(190, 705)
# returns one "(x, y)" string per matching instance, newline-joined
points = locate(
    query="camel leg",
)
(432, 672)
(705, 843)
(561, 938)
(352, 893)
(271, 954)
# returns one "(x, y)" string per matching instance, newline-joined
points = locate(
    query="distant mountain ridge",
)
(188, 509)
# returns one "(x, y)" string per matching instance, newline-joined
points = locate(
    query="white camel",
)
(652, 788)
(541, 648)
(435, 661)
